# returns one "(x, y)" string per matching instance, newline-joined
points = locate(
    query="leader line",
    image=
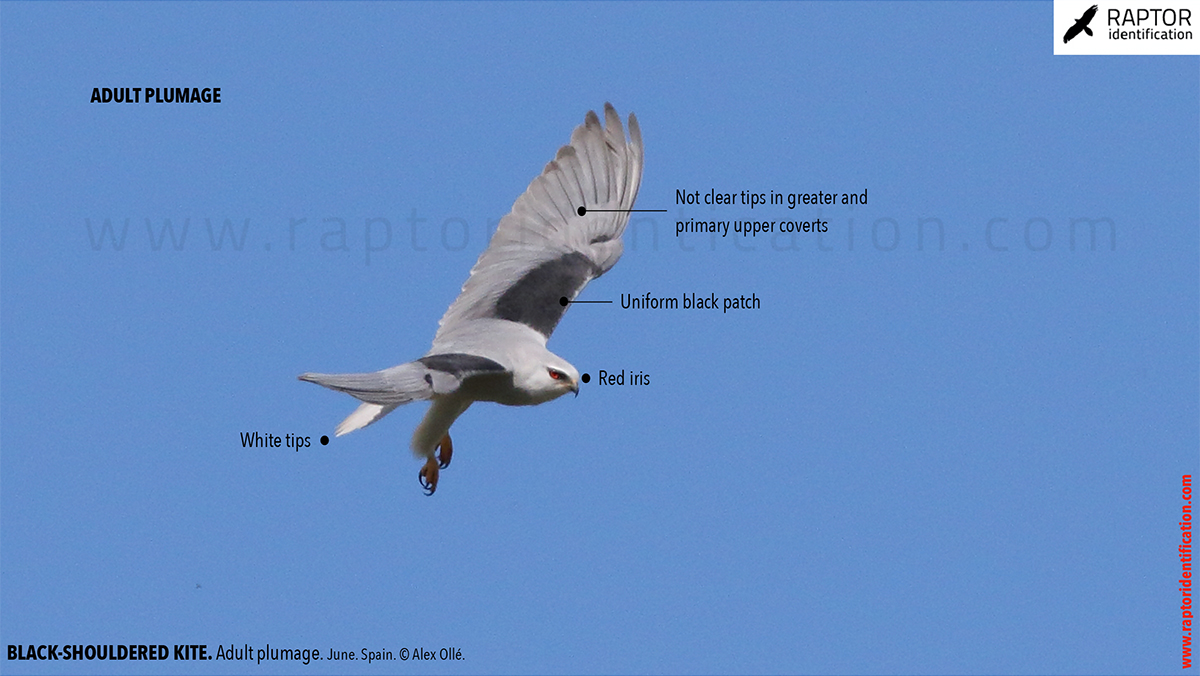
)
(564, 301)
(583, 210)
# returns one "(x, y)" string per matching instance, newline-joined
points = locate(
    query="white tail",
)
(363, 415)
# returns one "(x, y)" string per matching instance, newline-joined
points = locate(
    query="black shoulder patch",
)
(534, 299)
(458, 364)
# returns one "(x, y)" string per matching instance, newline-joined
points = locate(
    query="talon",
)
(428, 476)
(444, 450)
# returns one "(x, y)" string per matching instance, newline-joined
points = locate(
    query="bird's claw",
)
(444, 450)
(428, 476)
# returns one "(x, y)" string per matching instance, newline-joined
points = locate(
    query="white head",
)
(546, 376)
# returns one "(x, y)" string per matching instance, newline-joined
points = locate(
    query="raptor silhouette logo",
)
(1081, 25)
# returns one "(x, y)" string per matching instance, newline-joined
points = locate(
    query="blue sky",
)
(960, 453)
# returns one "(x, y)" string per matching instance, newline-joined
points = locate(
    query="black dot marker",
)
(581, 211)
(586, 378)
(563, 301)
(324, 440)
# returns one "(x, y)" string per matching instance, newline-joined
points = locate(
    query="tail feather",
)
(394, 386)
(363, 415)
(369, 387)
(381, 392)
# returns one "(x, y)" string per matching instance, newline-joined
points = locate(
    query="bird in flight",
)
(1081, 25)
(564, 231)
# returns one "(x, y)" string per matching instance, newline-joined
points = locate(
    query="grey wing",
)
(543, 250)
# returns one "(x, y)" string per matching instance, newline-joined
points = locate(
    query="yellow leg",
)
(444, 451)
(428, 476)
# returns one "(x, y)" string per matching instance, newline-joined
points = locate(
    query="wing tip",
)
(613, 124)
(610, 114)
(635, 131)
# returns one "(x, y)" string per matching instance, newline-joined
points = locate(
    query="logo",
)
(1081, 24)
(1126, 27)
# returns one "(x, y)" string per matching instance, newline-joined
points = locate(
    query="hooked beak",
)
(575, 387)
